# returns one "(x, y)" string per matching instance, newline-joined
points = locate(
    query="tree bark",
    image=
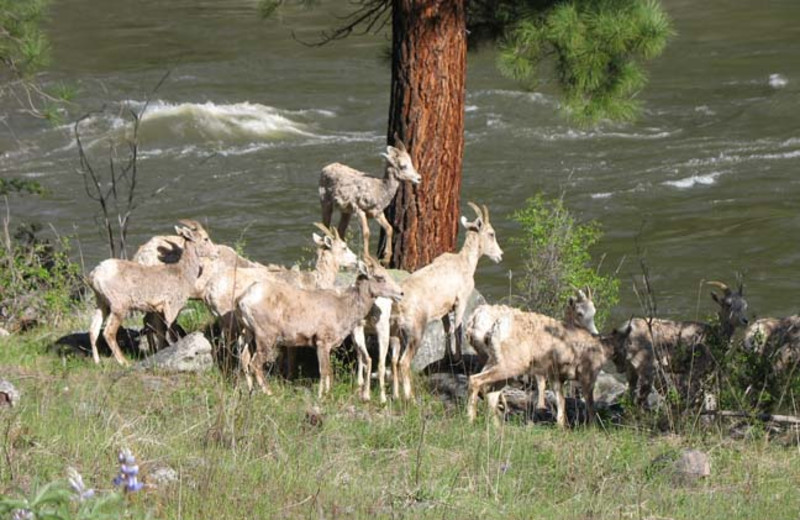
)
(429, 58)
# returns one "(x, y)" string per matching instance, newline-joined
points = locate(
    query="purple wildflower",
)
(128, 472)
(22, 514)
(76, 483)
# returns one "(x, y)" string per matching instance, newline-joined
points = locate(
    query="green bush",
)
(557, 259)
(38, 279)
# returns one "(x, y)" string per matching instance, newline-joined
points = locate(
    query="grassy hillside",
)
(241, 456)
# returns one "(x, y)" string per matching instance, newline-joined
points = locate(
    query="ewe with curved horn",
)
(436, 290)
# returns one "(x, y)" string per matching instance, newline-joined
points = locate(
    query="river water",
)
(705, 182)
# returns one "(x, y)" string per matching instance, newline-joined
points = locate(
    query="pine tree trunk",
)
(429, 51)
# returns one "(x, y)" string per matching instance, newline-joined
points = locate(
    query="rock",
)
(190, 354)
(608, 389)
(9, 395)
(4, 333)
(162, 476)
(692, 465)
(684, 467)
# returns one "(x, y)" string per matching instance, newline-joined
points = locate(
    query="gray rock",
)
(684, 467)
(9, 395)
(692, 465)
(608, 389)
(190, 354)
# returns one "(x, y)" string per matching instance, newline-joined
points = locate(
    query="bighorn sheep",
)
(676, 346)
(779, 339)
(168, 250)
(277, 313)
(352, 191)
(579, 313)
(518, 342)
(121, 286)
(432, 292)
(228, 284)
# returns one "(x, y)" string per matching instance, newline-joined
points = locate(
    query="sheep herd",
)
(263, 307)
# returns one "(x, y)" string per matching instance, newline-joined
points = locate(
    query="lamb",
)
(779, 339)
(121, 286)
(669, 344)
(579, 313)
(352, 191)
(277, 313)
(519, 342)
(434, 291)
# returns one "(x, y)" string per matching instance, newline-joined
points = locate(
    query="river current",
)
(705, 184)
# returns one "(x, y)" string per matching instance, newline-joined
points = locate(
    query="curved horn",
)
(322, 227)
(721, 285)
(485, 213)
(398, 143)
(476, 209)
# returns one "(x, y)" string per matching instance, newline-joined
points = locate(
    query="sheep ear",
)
(464, 222)
(581, 295)
(362, 268)
(390, 157)
(571, 301)
(318, 239)
(715, 297)
(184, 232)
(328, 241)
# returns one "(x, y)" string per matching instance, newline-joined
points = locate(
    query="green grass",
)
(242, 456)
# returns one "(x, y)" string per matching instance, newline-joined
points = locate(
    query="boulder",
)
(692, 465)
(4, 333)
(192, 353)
(684, 467)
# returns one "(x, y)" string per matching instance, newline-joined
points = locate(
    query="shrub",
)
(37, 279)
(557, 259)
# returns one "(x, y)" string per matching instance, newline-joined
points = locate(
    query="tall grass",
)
(243, 456)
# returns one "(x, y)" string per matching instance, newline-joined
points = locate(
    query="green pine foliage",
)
(596, 47)
(23, 45)
(557, 259)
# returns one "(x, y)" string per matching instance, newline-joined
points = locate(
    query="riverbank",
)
(207, 449)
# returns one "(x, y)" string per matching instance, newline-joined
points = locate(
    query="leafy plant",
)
(557, 259)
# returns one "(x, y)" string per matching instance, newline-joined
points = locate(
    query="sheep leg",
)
(477, 382)
(382, 329)
(364, 231)
(325, 376)
(99, 317)
(458, 314)
(449, 349)
(394, 341)
(327, 212)
(387, 228)
(587, 387)
(412, 342)
(364, 369)
(541, 385)
(493, 399)
(344, 221)
(244, 361)
(110, 334)
(561, 403)
(265, 342)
